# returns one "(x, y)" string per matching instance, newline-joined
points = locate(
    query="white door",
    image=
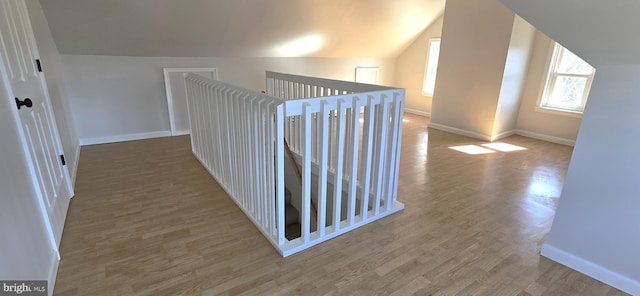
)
(27, 248)
(50, 176)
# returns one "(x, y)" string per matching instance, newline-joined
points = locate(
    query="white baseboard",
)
(458, 131)
(547, 138)
(524, 133)
(123, 138)
(503, 135)
(591, 269)
(417, 112)
(180, 133)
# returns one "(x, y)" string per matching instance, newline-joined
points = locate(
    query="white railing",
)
(339, 129)
(236, 133)
(232, 135)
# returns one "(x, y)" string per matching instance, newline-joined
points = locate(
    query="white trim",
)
(520, 132)
(503, 135)
(180, 133)
(591, 269)
(555, 54)
(417, 112)
(362, 70)
(560, 112)
(167, 86)
(53, 274)
(547, 138)
(314, 239)
(76, 159)
(458, 131)
(123, 138)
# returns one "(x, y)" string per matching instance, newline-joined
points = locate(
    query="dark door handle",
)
(27, 102)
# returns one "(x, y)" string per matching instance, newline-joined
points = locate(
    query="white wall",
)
(115, 98)
(514, 78)
(597, 225)
(563, 128)
(410, 67)
(524, 74)
(52, 69)
(475, 41)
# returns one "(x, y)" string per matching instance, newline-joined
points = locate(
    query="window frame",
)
(427, 64)
(555, 55)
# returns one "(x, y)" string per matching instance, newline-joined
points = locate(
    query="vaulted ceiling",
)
(239, 28)
(601, 32)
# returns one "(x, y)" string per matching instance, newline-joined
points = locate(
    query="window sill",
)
(560, 112)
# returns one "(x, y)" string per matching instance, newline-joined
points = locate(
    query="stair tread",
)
(292, 231)
(290, 214)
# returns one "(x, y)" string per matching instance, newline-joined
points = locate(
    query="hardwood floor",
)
(147, 219)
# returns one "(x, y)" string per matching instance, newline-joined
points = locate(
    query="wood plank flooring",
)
(147, 219)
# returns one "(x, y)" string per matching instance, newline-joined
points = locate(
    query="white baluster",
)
(306, 174)
(391, 152)
(322, 178)
(353, 159)
(384, 122)
(340, 149)
(367, 143)
(280, 172)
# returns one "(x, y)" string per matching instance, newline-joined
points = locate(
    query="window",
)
(568, 82)
(432, 67)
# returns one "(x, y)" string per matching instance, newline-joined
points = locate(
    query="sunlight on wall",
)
(300, 46)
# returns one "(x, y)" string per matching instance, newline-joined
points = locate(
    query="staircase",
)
(321, 120)
(291, 217)
(293, 189)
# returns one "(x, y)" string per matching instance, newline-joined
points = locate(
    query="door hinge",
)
(38, 65)
(62, 159)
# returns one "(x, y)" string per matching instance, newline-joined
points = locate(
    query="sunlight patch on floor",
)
(472, 149)
(504, 147)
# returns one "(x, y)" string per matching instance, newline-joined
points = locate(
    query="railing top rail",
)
(294, 107)
(330, 83)
(218, 83)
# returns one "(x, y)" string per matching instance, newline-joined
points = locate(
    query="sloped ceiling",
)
(601, 32)
(239, 28)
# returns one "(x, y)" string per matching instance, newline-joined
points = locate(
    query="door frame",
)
(365, 71)
(167, 85)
